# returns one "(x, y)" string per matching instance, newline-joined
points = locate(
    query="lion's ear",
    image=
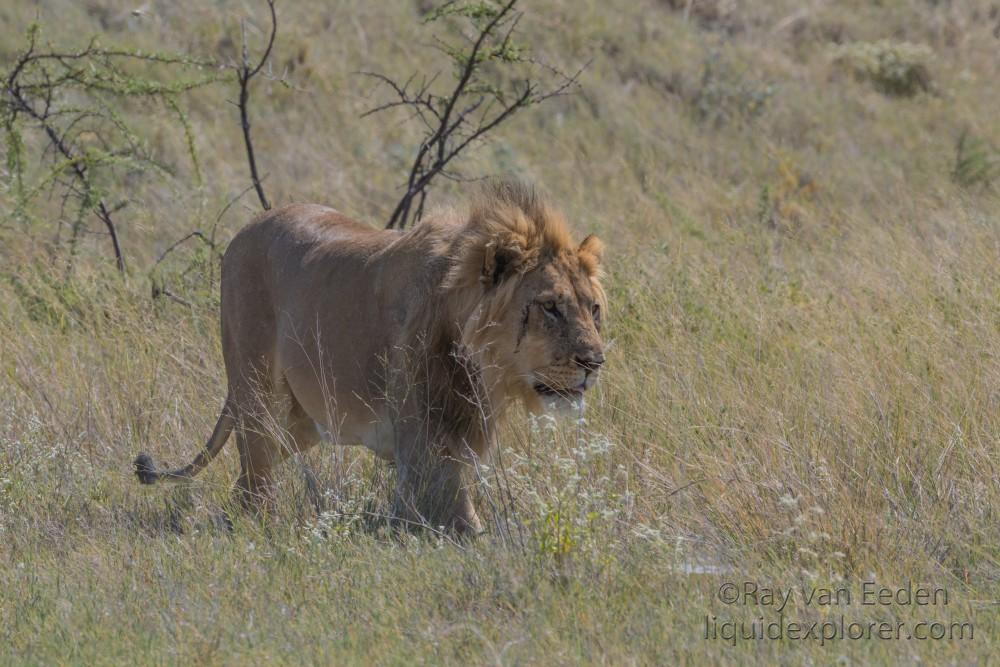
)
(591, 251)
(502, 259)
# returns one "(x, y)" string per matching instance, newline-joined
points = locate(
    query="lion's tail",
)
(145, 468)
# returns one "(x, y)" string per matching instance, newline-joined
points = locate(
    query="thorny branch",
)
(473, 108)
(34, 91)
(244, 73)
(20, 104)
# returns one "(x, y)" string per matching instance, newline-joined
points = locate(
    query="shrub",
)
(898, 69)
(977, 161)
(724, 94)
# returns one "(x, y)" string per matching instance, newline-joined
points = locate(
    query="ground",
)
(802, 389)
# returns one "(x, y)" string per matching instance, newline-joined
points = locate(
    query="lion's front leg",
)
(432, 490)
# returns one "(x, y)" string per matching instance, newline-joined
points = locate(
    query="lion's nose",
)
(591, 361)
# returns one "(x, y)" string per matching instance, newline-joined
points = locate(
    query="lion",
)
(412, 343)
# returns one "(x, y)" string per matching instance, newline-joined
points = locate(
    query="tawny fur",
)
(411, 343)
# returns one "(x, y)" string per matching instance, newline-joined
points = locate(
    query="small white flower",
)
(788, 500)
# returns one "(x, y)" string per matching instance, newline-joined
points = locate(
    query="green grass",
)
(803, 388)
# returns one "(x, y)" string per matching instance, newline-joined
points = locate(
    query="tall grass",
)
(802, 386)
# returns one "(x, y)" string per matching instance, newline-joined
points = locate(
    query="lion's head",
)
(533, 301)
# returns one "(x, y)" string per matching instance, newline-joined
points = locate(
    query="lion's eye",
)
(551, 309)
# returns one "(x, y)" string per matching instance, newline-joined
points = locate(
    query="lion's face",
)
(529, 300)
(556, 316)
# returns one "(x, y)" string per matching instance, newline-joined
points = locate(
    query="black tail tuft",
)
(145, 469)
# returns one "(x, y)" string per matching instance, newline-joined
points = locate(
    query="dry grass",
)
(804, 386)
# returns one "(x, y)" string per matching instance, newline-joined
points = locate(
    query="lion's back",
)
(306, 286)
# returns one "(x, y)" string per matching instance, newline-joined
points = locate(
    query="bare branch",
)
(78, 166)
(83, 140)
(244, 73)
(160, 290)
(184, 239)
(452, 121)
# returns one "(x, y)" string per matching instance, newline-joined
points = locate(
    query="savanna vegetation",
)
(800, 202)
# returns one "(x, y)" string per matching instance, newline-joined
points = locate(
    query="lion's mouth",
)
(543, 389)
